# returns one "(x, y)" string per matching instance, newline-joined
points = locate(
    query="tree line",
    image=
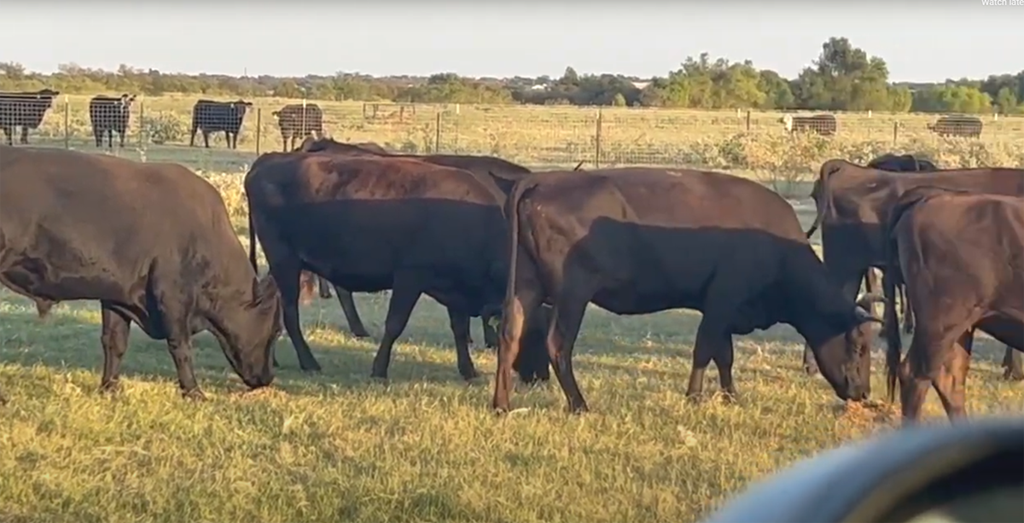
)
(842, 78)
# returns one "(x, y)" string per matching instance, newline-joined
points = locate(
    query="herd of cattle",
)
(528, 251)
(111, 114)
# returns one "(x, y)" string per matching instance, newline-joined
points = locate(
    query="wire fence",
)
(177, 128)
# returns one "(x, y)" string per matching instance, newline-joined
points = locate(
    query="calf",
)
(25, 110)
(642, 240)
(109, 115)
(77, 226)
(961, 256)
(372, 224)
(209, 116)
(822, 124)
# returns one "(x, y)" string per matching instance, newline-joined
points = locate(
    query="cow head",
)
(127, 99)
(240, 106)
(787, 120)
(845, 359)
(252, 355)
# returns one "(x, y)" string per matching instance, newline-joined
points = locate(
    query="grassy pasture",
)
(422, 447)
(552, 136)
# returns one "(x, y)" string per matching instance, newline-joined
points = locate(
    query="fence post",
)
(597, 140)
(437, 133)
(748, 120)
(895, 131)
(67, 110)
(304, 130)
(142, 124)
(259, 126)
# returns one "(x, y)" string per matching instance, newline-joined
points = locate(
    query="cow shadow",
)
(68, 340)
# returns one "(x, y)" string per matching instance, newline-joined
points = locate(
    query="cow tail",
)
(824, 204)
(892, 278)
(252, 240)
(520, 190)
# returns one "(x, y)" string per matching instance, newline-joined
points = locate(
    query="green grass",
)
(424, 446)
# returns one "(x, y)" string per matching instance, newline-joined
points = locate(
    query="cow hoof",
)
(697, 398)
(110, 387)
(194, 395)
(1012, 376)
(361, 334)
(469, 375)
(310, 367)
(379, 376)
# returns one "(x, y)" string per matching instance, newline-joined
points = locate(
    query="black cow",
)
(77, 226)
(25, 110)
(371, 224)
(109, 115)
(209, 116)
(957, 126)
(822, 124)
(854, 202)
(299, 120)
(961, 256)
(495, 173)
(642, 240)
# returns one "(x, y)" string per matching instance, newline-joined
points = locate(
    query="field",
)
(553, 136)
(423, 447)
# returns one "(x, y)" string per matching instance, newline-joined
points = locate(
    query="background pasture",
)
(425, 446)
(754, 144)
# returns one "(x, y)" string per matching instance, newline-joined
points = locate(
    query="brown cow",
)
(961, 256)
(642, 240)
(299, 120)
(853, 207)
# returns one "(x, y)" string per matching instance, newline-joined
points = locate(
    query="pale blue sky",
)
(921, 41)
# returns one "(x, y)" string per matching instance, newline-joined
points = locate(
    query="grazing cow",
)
(853, 204)
(823, 124)
(642, 240)
(209, 116)
(489, 170)
(299, 120)
(109, 115)
(369, 224)
(77, 226)
(25, 110)
(961, 256)
(957, 125)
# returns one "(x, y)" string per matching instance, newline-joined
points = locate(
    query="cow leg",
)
(122, 137)
(562, 333)
(287, 273)
(348, 306)
(9, 135)
(115, 343)
(1012, 364)
(713, 343)
(24, 135)
(404, 295)
(324, 288)
(206, 138)
(952, 379)
(514, 314)
(459, 322)
(98, 135)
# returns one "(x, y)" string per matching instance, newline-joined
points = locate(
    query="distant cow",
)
(823, 124)
(209, 116)
(961, 256)
(642, 240)
(152, 242)
(109, 115)
(957, 125)
(370, 224)
(297, 121)
(25, 110)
